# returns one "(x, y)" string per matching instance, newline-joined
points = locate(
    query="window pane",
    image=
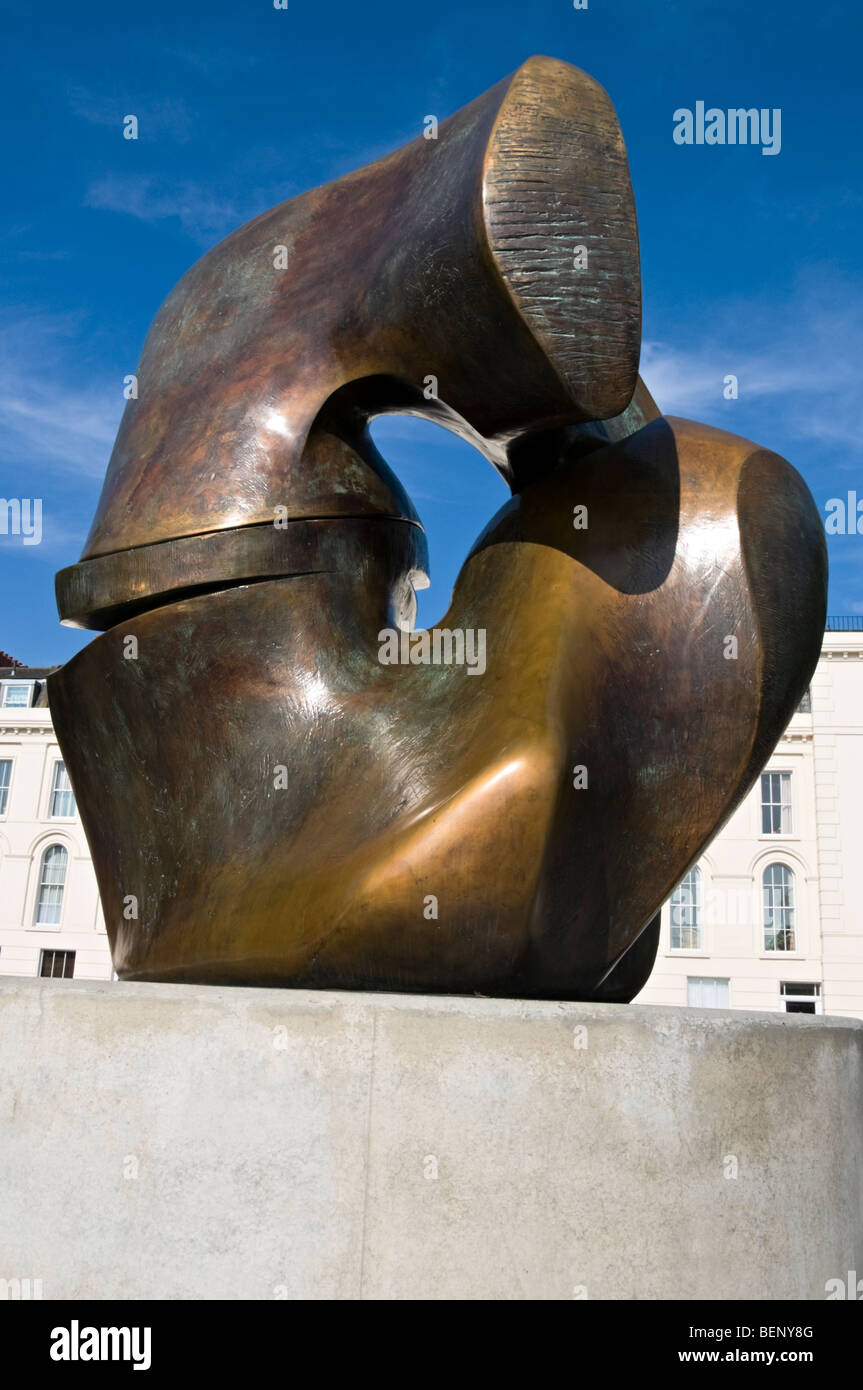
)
(776, 803)
(778, 888)
(707, 993)
(685, 913)
(5, 778)
(52, 879)
(16, 696)
(62, 796)
(57, 965)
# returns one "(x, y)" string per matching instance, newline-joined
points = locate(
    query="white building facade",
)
(772, 915)
(51, 920)
(770, 918)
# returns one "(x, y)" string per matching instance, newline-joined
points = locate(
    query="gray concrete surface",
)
(167, 1141)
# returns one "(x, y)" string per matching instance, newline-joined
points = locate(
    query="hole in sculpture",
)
(455, 491)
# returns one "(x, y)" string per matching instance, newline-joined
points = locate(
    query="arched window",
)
(685, 911)
(778, 882)
(52, 881)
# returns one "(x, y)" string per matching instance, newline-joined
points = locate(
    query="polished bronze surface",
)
(453, 258)
(270, 799)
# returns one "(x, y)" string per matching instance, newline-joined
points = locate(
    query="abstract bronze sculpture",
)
(267, 800)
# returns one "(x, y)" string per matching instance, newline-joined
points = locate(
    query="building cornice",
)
(17, 728)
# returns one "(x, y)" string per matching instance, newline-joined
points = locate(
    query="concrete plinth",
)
(167, 1141)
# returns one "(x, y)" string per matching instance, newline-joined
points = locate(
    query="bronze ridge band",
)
(108, 589)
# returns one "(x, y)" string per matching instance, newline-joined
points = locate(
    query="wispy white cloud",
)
(693, 380)
(199, 211)
(164, 117)
(205, 213)
(45, 414)
(800, 358)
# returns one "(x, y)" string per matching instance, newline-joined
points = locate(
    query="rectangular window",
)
(805, 706)
(17, 694)
(776, 803)
(702, 992)
(5, 779)
(800, 998)
(57, 965)
(62, 795)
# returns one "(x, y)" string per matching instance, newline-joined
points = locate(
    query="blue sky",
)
(751, 263)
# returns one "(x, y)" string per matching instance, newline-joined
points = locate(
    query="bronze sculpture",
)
(271, 800)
